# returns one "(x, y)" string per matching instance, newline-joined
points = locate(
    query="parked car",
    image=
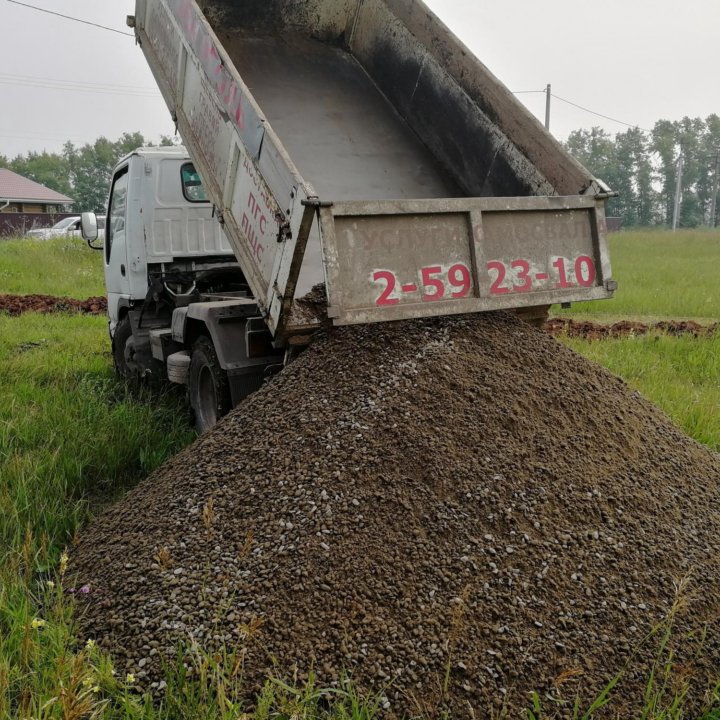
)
(67, 227)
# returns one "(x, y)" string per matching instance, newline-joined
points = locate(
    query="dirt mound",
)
(461, 498)
(19, 304)
(595, 331)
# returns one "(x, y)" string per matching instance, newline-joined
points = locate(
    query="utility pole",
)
(713, 205)
(548, 99)
(678, 190)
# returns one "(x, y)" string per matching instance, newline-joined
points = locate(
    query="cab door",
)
(117, 277)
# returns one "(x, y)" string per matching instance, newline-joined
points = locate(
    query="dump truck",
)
(355, 148)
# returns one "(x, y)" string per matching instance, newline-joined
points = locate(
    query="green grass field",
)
(679, 374)
(70, 435)
(59, 404)
(664, 275)
(661, 275)
(72, 438)
(62, 266)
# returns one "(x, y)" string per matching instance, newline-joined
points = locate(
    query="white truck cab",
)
(178, 303)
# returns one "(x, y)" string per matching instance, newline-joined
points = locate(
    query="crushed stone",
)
(460, 498)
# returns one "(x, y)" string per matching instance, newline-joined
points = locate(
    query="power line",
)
(10, 76)
(78, 88)
(5, 80)
(119, 32)
(14, 136)
(606, 117)
(69, 17)
(68, 86)
(35, 136)
(580, 107)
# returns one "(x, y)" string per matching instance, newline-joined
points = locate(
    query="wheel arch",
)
(223, 325)
(195, 328)
(123, 311)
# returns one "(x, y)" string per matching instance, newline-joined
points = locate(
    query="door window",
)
(193, 189)
(117, 211)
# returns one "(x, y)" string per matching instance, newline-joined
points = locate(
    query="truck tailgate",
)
(394, 260)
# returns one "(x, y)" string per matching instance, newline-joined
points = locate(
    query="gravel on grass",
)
(455, 512)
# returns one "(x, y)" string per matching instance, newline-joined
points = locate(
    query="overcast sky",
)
(633, 60)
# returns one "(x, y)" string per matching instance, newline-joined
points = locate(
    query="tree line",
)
(642, 167)
(82, 173)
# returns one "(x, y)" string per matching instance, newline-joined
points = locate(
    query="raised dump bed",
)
(360, 143)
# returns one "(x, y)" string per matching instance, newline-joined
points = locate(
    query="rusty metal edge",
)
(463, 205)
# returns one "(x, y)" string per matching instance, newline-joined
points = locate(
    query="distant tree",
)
(83, 173)
(638, 199)
(708, 147)
(693, 137)
(666, 146)
(691, 132)
(91, 168)
(647, 197)
(621, 178)
(591, 147)
(129, 142)
(642, 168)
(169, 141)
(596, 149)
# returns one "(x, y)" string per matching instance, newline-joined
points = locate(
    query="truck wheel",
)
(121, 348)
(208, 386)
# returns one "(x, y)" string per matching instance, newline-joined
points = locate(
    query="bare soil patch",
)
(597, 331)
(19, 304)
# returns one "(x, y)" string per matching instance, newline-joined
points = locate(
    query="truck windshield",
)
(193, 189)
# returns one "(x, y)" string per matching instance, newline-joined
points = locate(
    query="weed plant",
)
(667, 686)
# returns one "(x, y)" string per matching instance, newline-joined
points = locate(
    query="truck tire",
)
(120, 339)
(208, 386)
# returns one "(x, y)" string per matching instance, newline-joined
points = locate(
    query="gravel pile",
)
(459, 496)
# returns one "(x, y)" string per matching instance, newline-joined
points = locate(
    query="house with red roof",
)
(25, 204)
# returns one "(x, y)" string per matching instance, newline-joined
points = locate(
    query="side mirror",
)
(89, 229)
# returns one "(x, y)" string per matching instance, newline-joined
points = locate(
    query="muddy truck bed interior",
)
(351, 91)
(342, 134)
(359, 143)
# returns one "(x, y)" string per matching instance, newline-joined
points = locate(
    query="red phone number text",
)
(436, 283)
